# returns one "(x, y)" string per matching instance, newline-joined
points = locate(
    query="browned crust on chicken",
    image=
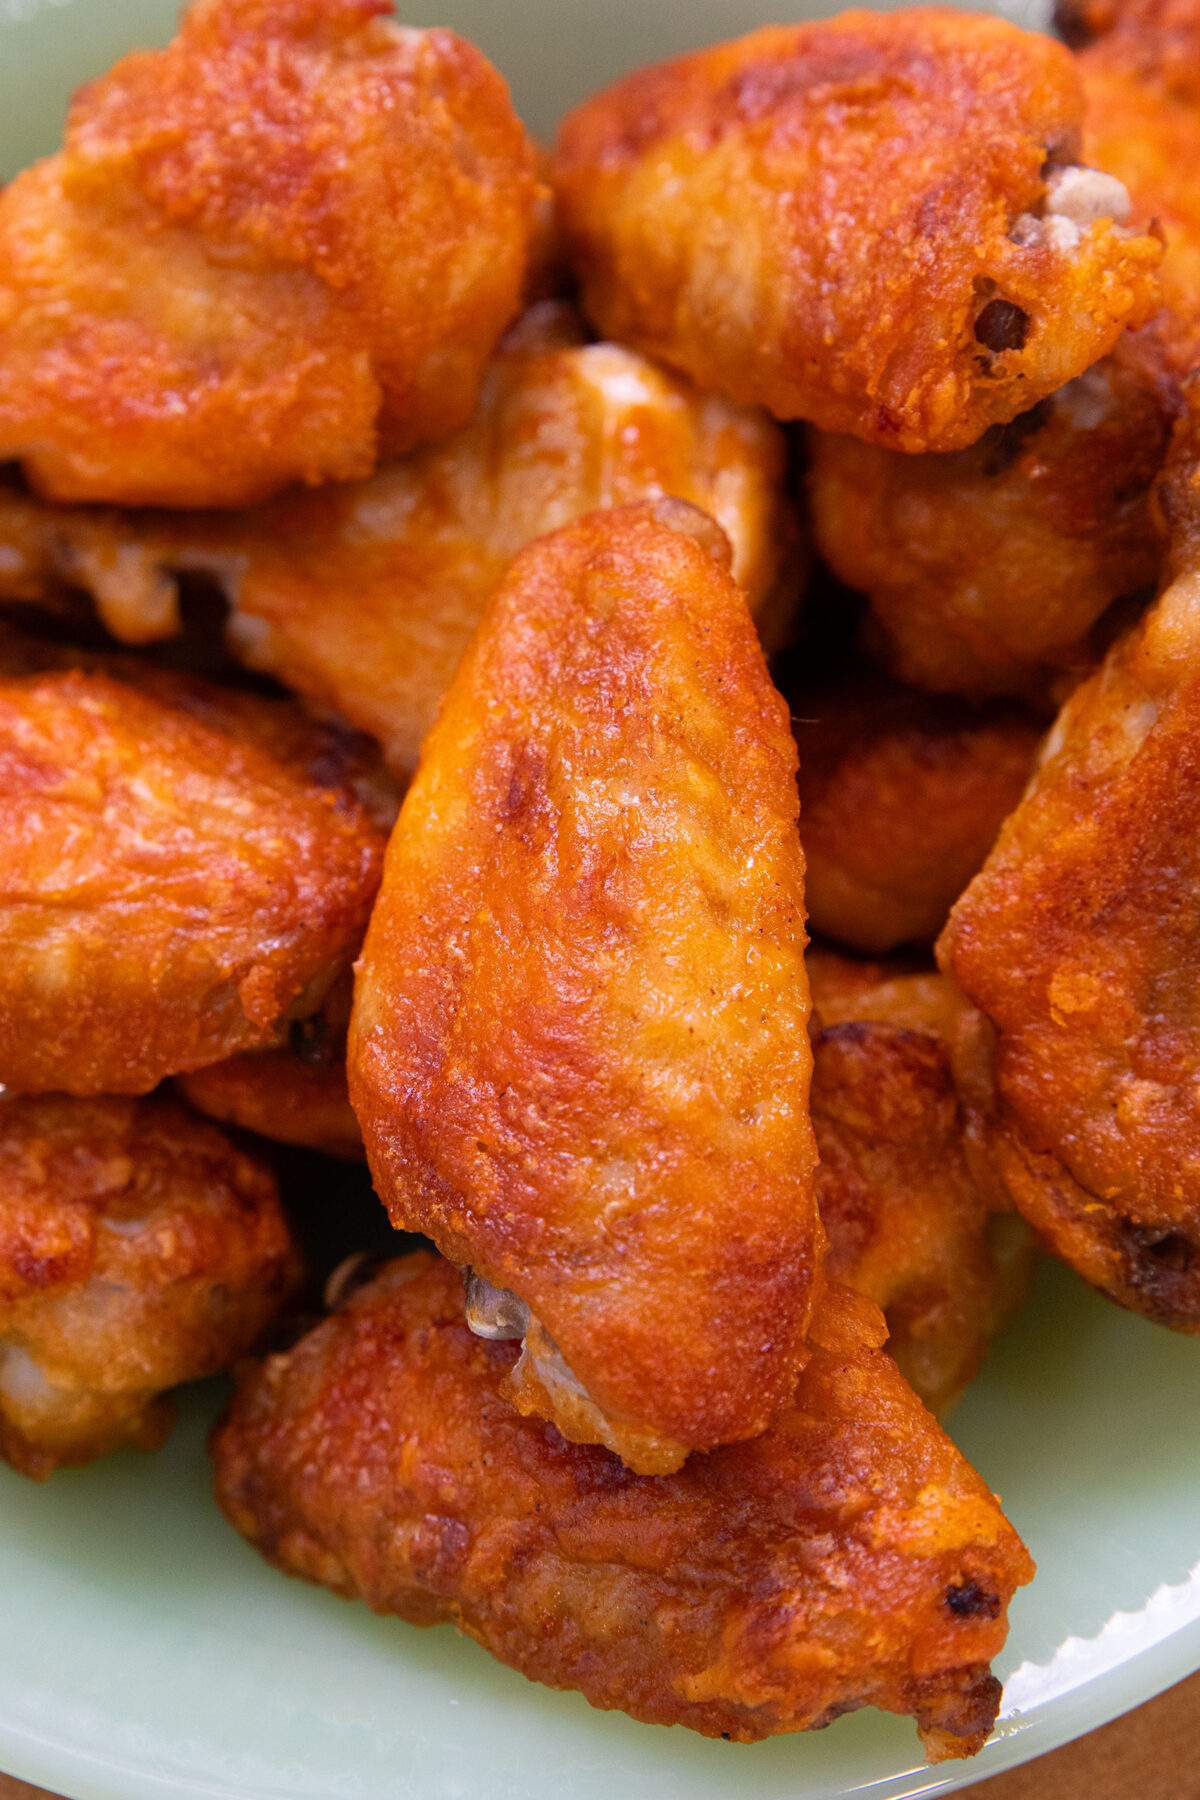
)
(284, 244)
(901, 798)
(849, 1557)
(138, 1249)
(1080, 941)
(168, 896)
(830, 219)
(579, 1051)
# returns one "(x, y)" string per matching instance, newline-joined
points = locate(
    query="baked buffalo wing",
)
(908, 1221)
(875, 222)
(1080, 941)
(901, 798)
(848, 1557)
(283, 245)
(578, 1050)
(138, 1249)
(169, 895)
(362, 596)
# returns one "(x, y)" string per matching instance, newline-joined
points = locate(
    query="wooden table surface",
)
(1150, 1754)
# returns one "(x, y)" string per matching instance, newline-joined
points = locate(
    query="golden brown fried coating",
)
(901, 797)
(297, 1094)
(362, 597)
(908, 1223)
(138, 1249)
(169, 896)
(847, 989)
(988, 568)
(279, 1095)
(322, 752)
(852, 222)
(1142, 83)
(850, 1557)
(281, 246)
(1080, 941)
(579, 1051)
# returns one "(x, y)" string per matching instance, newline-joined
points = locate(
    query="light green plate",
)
(145, 1651)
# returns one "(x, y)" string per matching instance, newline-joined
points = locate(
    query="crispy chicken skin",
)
(168, 895)
(362, 596)
(138, 1249)
(908, 1223)
(853, 222)
(279, 1095)
(579, 1051)
(1079, 940)
(901, 798)
(320, 752)
(285, 244)
(988, 568)
(296, 1094)
(1142, 82)
(849, 1557)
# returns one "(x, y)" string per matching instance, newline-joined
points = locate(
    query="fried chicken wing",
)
(281, 246)
(169, 896)
(908, 1223)
(279, 1095)
(1142, 82)
(987, 569)
(320, 752)
(850, 1557)
(362, 597)
(873, 222)
(901, 798)
(138, 1249)
(578, 1050)
(296, 1094)
(1080, 941)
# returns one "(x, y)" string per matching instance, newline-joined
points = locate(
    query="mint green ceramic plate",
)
(146, 1652)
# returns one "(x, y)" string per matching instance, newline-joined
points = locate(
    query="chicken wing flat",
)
(284, 244)
(1080, 941)
(579, 1049)
(362, 596)
(850, 1557)
(169, 896)
(901, 798)
(908, 1223)
(138, 1249)
(871, 222)
(987, 569)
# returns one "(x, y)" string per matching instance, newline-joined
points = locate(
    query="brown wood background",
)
(1150, 1754)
